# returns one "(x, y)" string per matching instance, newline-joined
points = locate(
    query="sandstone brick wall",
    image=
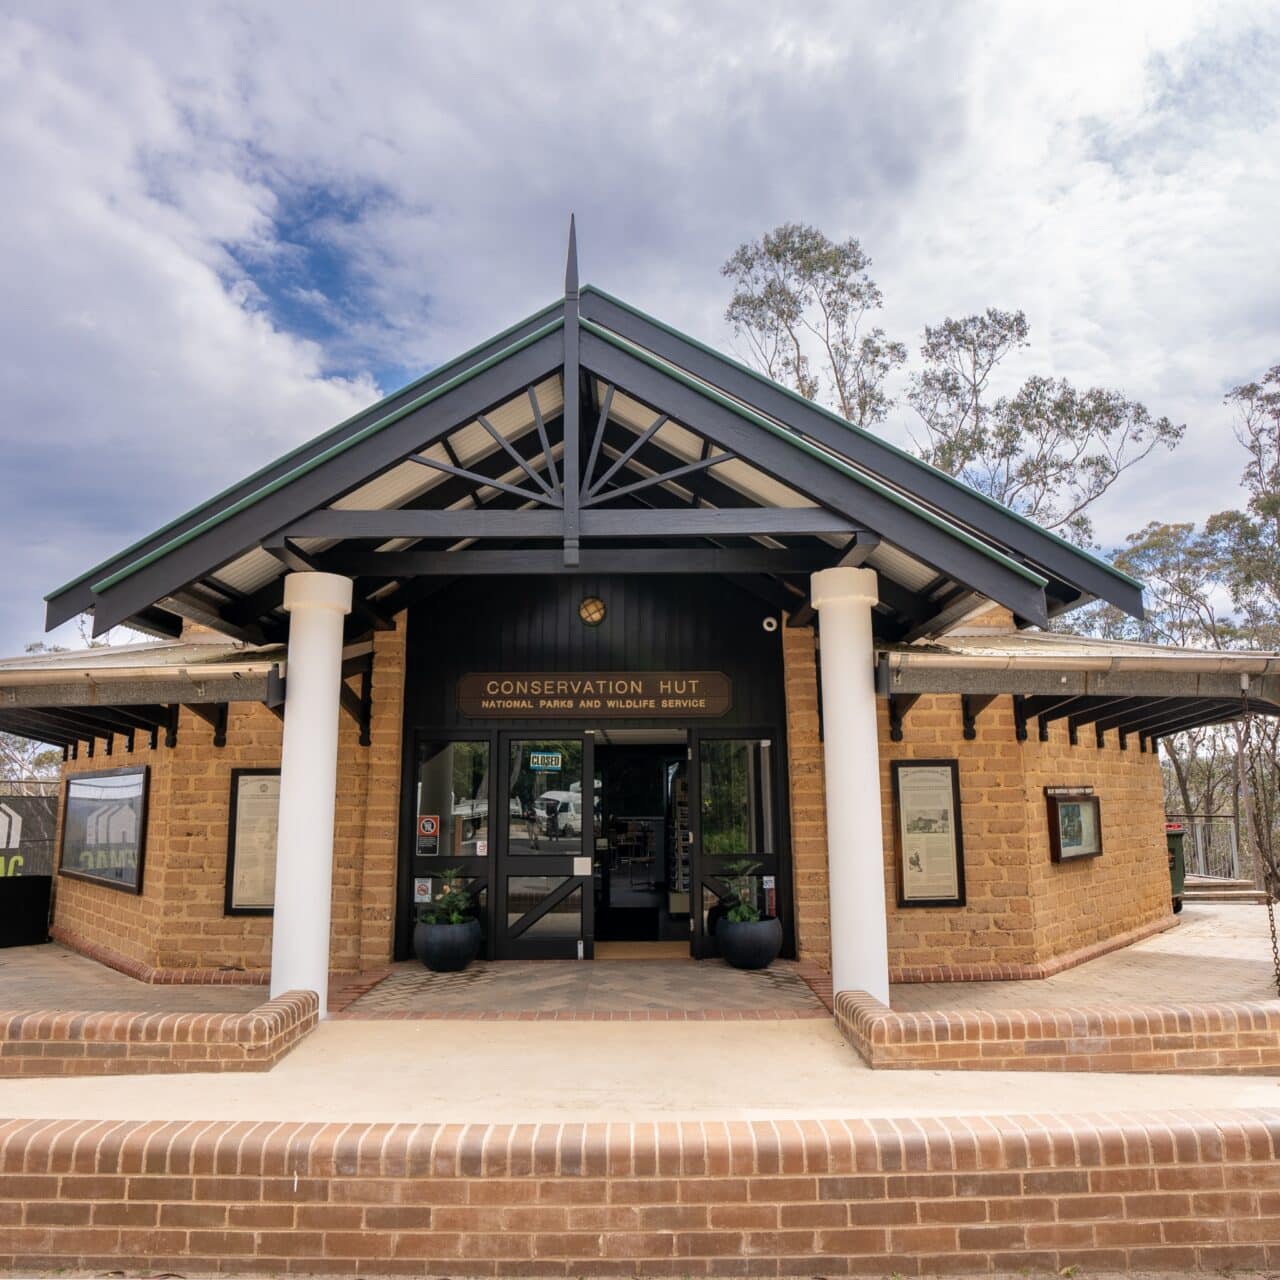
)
(1050, 1195)
(179, 921)
(807, 796)
(1080, 903)
(1023, 912)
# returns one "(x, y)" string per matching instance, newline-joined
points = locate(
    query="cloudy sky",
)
(226, 226)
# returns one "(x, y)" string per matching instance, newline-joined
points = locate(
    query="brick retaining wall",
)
(782, 1198)
(1184, 1039)
(49, 1043)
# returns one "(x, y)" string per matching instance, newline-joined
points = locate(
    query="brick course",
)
(1220, 1038)
(61, 1043)
(915, 1197)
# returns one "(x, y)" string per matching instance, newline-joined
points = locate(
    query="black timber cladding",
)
(651, 624)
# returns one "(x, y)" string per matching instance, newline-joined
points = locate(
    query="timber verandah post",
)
(572, 435)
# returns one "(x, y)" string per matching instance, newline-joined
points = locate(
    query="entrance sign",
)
(667, 695)
(104, 828)
(926, 801)
(251, 846)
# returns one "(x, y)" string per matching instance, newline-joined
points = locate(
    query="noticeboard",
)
(105, 826)
(930, 842)
(251, 845)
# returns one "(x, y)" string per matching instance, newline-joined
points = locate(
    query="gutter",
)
(1236, 663)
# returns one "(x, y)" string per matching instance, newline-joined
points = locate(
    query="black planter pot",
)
(447, 948)
(749, 944)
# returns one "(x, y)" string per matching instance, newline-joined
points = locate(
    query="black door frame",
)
(488, 872)
(702, 873)
(475, 868)
(518, 947)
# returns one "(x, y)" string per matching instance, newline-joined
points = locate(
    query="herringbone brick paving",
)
(600, 988)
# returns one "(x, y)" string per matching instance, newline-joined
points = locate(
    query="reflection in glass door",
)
(451, 821)
(546, 834)
(735, 808)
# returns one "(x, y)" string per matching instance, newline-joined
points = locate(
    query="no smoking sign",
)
(428, 832)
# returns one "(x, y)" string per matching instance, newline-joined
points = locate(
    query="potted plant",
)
(447, 935)
(746, 940)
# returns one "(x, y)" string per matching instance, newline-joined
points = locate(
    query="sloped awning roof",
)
(1147, 690)
(666, 457)
(83, 695)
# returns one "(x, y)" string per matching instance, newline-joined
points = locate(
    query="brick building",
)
(591, 648)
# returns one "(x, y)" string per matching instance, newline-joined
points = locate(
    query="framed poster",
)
(926, 805)
(1075, 824)
(104, 827)
(251, 842)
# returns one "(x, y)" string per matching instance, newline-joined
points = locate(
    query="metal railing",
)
(1210, 847)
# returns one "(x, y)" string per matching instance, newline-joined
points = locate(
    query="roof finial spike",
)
(571, 265)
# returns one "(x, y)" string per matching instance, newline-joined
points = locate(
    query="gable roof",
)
(683, 446)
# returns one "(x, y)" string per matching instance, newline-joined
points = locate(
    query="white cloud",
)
(1106, 167)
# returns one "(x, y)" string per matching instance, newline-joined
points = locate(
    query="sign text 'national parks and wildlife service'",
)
(598, 694)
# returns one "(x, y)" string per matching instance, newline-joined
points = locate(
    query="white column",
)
(843, 597)
(316, 604)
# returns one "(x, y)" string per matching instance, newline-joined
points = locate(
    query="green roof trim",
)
(455, 362)
(836, 464)
(861, 431)
(326, 455)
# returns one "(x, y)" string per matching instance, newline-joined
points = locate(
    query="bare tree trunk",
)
(1261, 871)
(1180, 774)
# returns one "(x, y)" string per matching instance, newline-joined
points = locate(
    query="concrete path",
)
(477, 1072)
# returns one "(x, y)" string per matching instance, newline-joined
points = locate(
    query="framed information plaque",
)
(1075, 824)
(104, 829)
(251, 842)
(926, 804)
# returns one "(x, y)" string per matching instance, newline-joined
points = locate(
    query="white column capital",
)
(843, 583)
(317, 591)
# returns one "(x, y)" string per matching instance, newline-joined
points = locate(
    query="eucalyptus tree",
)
(1050, 450)
(803, 304)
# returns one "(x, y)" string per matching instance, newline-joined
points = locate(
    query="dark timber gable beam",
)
(865, 449)
(623, 487)
(118, 597)
(928, 542)
(77, 596)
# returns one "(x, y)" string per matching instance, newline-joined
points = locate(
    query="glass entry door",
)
(734, 803)
(451, 822)
(546, 833)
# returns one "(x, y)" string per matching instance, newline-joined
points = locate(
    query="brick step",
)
(1224, 895)
(1217, 882)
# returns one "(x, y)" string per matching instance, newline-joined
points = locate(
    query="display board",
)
(1075, 824)
(930, 844)
(104, 830)
(251, 846)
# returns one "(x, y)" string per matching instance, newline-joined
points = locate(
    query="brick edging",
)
(149, 973)
(1029, 972)
(1225, 1037)
(799, 1197)
(56, 1042)
(344, 988)
(580, 1015)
